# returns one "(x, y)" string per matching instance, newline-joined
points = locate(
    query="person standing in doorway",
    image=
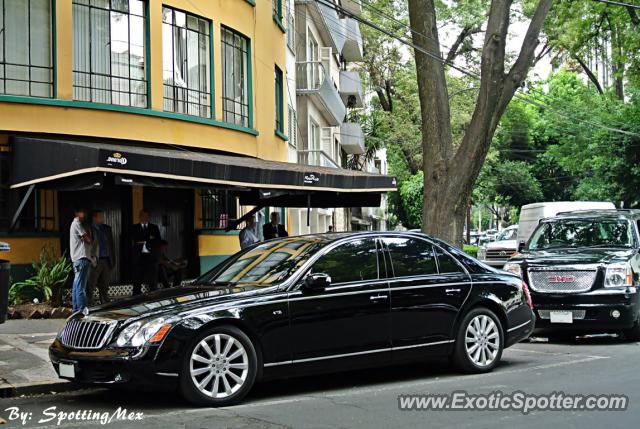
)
(274, 229)
(81, 252)
(248, 234)
(105, 255)
(146, 246)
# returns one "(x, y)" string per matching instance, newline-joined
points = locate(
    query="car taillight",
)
(527, 295)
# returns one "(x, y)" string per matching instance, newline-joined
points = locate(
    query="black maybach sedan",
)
(301, 305)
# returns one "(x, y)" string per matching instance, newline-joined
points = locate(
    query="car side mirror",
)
(316, 282)
(521, 245)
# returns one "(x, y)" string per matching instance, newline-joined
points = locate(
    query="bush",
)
(471, 250)
(51, 274)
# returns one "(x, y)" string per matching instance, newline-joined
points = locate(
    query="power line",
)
(618, 3)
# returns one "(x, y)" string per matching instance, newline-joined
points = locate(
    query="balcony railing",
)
(352, 138)
(352, 49)
(324, 15)
(318, 158)
(312, 80)
(351, 89)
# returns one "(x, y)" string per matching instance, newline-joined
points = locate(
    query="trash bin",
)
(5, 268)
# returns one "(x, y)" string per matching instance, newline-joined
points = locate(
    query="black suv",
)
(583, 269)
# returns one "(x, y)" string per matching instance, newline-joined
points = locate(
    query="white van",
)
(531, 214)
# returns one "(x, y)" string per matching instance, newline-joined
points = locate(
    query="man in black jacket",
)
(145, 257)
(274, 229)
(105, 250)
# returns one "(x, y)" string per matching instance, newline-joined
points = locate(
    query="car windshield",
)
(265, 264)
(581, 233)
(507, 234)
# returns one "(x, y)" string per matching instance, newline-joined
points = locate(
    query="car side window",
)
(411, 256)
(350, 262)
(446, 264)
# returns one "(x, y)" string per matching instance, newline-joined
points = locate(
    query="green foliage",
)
(50, 274)
(471, 250)
(412, 192)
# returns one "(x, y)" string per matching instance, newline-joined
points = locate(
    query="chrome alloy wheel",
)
(482, 340)
(219, 366)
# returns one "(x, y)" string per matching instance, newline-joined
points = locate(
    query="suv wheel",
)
(219, 368)
(479, 342)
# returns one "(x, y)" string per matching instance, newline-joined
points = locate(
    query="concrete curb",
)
(53, 386)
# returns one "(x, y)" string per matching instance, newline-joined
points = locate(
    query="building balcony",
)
(352, 6)
(352, 49)
(327, 17)
(352, 138)
(317, 158)
(313, 81)
(351, 89)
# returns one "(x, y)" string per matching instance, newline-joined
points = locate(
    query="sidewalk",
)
(24, 357)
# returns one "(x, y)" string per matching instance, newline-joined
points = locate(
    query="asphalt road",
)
(370, 398)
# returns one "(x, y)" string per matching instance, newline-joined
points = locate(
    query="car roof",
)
(602, 213)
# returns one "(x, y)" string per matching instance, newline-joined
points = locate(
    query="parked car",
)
(498, 252)
(298, 305)
(531, 214)
(583, 270)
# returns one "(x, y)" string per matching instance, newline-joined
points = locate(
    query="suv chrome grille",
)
(576, 314)
(561, 281)
(86, 334)
(499, 254)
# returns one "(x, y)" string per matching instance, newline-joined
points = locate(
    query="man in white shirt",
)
(248, 234)
(82, 254)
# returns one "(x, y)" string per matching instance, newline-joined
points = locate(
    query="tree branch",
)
(592, 77)
(633, 15)
(454, 51)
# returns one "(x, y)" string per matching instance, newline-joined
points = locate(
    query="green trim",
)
(251, 2)
(277, 16)
(279, 96)
(279, 23)
(147, 41)
(250, 81)
(212, 69)
(282, 135)
(125, 109)
(54, 47)
(217, 232)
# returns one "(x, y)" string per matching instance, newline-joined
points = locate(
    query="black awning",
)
(41, 162)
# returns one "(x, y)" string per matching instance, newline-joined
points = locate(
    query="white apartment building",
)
(323, 45)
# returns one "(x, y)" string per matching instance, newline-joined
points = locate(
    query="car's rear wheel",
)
(219, 367)
(479, 342)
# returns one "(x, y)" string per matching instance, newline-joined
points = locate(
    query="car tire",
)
(219, 367)
(633, 333)
(479, 342)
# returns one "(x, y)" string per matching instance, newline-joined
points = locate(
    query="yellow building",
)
(171, 105)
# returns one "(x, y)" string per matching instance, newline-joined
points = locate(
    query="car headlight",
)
(144, 332)
(513, 268)
(618, 275)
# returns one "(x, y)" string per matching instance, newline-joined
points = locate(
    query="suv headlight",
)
(513, 268)
(482, 253)
(144, 332)
(618, 275)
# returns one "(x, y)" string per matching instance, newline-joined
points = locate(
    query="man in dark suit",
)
(274, 229)
(105, 258)
(146, 249)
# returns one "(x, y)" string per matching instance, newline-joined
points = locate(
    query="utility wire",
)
(618, 3)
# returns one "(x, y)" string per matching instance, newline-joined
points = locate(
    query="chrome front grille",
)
(86, 334)
(576, 314)
(561, 281)
(499, 254)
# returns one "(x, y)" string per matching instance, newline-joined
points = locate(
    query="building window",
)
(218, 208)
(235, 78)
(277, 10)
(109, 59)
(291, 25)
(186, 70)
(26, 65)
(279, 100)
(293, 124)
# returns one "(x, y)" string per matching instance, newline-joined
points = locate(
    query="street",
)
(369, 398)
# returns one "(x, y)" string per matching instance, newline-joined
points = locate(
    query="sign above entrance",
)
(116, 159)
(311, 178)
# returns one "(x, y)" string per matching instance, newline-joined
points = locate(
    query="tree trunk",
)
(450, 173)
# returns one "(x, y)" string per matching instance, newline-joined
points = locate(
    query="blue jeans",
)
(81, 269)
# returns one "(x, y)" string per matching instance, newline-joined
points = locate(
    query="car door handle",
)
(377, 297)
(453, 291)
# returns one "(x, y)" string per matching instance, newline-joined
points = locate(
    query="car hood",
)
(574, 256)
(168, 302)
(503, 244)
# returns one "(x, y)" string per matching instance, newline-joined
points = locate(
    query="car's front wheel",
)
(479, 342)
(219, 367)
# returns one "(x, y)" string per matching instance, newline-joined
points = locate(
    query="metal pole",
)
(21, 206)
